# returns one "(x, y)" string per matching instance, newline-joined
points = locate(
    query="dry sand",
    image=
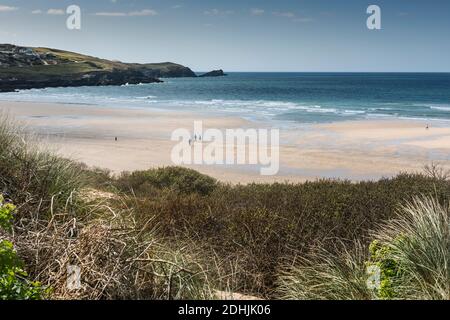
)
(353, 150)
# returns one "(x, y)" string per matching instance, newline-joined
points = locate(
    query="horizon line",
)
(240, 71)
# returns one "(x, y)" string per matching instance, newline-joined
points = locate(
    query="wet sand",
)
(354, 150)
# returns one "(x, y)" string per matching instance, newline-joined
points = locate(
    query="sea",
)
(289, 98)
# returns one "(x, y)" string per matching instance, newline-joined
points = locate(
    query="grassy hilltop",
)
(173, 233)
(26, 67)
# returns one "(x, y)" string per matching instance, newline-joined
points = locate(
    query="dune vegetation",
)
(173, 233)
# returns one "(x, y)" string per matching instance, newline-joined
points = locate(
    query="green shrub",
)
(390, 271)
(6, 214)
(178, 179)
(13, 282)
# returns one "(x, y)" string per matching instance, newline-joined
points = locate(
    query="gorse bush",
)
(13, 279)
(178, 179)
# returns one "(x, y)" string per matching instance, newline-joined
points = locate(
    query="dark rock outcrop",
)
(113, 78)
(214, 73)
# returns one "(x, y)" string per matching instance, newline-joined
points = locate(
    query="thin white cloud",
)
(38, 11)
(56, 12)
(212, 12)
(111, 14)
(7, 8)
(286, 14)
(140, 13)
(177, 6)
(216, 12)
(145, 12)
(257, 12)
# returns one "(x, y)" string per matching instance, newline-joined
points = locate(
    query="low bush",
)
(177, 179)
(14, 284)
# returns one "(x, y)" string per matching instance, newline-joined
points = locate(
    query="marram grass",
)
(412, 252)
(419, 242)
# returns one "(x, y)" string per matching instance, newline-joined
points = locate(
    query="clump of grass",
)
(418, 241)
(411, 252)
(181, 273)
(325, 275)
(36, 179)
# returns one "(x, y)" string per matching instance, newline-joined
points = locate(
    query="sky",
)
(242, 35)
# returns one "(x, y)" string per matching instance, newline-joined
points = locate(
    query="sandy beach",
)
(353, 150)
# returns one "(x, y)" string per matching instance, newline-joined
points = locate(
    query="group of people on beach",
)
(196, 138)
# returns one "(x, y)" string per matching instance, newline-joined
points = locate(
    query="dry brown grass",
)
(118, 258)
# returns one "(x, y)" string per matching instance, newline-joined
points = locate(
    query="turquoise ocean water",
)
(286, 97)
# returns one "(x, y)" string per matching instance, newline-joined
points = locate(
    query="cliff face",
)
(166, 70)
(27, 68)
(114, 78)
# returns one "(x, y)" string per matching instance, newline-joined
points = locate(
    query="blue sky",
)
(242, 35)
